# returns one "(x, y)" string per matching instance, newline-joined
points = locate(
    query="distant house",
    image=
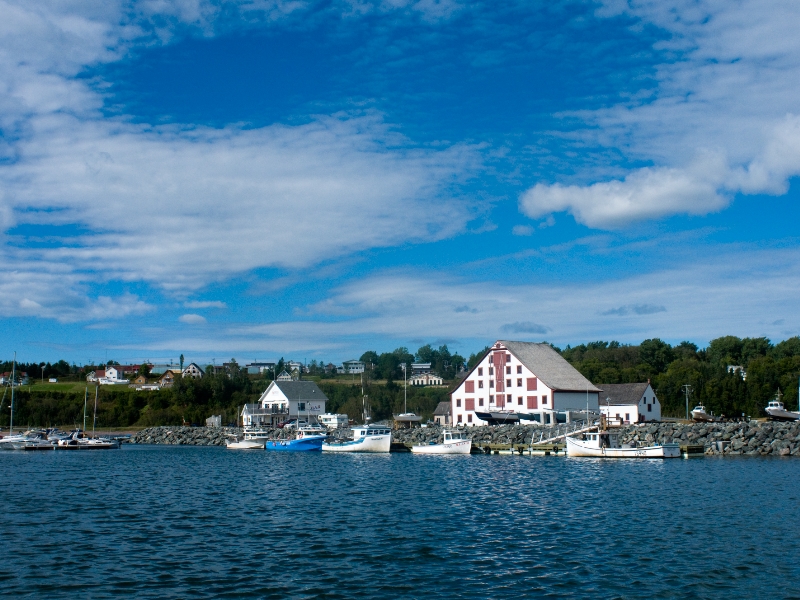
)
(284, 376)
(738, 369)
(624, 403)
(258, 368)
(193, 371)
(21, 378)
(425, 379)
(167, 380)
(420, 368)
(284, 400)
(214, 421)
(353, 366)
(162, 368)
(140, 380)
(441, 416)
(115, 372)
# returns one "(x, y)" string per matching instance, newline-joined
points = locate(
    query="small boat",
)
(605, 444)
(776, 411)
(33, 444)
(498, 417)
(700, 415)
(367, 438)
(308, 439)
(455, 442)
(235, 443)
(78, 441)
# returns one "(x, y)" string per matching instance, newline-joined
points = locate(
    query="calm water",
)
(160, 521)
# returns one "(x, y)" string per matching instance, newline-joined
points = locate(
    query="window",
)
(469, 387)
(469, 404)
(301, 406)
(508, 383)
(627, 416)
(491, 383)
(501, 400)
(532, 384)
(480, 384)
(508, 370)
(480, 401)
(459, 418)
(519, 401)
(480, 371)
(544, 400)
(491, 399)
(469, 418)
(649, 408)
(533, 402)
(519, 382)
(491, 370)
(519, 369)
(458, 402)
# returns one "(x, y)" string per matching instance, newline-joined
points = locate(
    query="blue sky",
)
(315, 179)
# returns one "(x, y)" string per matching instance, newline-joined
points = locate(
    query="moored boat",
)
(605, 444)
(78, 441)
(307, 440)
(234, 443)
(500, 417)
(455, 442)
(776, 411)
(367, 438)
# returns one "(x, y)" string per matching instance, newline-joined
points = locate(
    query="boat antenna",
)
(13, 374)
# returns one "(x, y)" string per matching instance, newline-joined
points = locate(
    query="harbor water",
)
(178, 521)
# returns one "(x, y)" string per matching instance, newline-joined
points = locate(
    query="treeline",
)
(388, 365)
(732, 376)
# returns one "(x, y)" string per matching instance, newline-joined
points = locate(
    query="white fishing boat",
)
(455, 442)
(605, 444)
(776, 411)
(367, 438)
(701, 415)
(236, 443)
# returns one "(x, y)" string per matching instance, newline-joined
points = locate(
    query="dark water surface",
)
(160, 521)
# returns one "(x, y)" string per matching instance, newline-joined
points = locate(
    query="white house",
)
(420, 368)
(284, 400)
(352, 366)
(114, 376)
(522, 377)
(193, 371)
(624, 403)
(425, 379)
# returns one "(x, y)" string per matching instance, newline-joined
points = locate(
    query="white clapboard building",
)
(624, 403)
(284, 400)
(527, 378)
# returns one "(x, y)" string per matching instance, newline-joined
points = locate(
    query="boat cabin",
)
(602, 439)
(370, 430)
(775, 404)
(454, 436)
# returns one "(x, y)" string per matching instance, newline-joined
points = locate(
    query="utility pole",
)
(13, 375)
(687, 388)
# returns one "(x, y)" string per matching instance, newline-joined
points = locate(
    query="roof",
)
(618, 394)
(443, 408)
(300, 390)
(549, 366)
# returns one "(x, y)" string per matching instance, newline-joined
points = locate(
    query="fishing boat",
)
(701, 415)
(776, 411)
(605, 444)
(455, 442)
(236, 443)
(307, 440)
(367, 438)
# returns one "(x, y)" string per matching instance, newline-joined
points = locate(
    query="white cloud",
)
(723, 118)
(522, 230)
(205, 304)
(192, 319)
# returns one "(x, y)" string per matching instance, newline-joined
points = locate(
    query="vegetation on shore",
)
(723, 390)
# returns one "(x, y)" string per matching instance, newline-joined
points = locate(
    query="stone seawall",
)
(753, 438)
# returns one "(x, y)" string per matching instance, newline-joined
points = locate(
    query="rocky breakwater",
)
(195, 436)
(483, 435)
(754, 438)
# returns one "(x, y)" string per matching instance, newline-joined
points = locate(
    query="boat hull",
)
(371, 443)
(306, 444)
(456, 447)
(777, 414)
(703, 417)
(580, 449)
(253, 444)
(499, 417)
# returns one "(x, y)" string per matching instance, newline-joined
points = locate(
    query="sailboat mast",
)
(405, 388)
(94, 420)
(13, 374)
(85, 398)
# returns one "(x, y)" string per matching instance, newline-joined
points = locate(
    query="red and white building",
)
(525, 378)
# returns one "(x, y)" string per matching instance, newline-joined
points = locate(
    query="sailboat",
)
(405, 416)
(79, 441)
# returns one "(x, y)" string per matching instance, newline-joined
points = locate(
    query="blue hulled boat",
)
(307, 440)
